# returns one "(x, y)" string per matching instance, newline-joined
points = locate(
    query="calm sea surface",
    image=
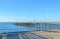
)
(6, 27)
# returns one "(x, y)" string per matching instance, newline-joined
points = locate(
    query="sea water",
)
(6, 27)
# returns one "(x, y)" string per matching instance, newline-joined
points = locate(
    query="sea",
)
(12, 30)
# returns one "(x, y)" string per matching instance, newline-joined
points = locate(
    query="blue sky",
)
(29, 10)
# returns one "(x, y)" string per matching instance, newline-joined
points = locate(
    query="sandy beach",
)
(52, 34)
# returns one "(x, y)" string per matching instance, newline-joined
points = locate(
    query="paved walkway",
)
(52, 34)
(27, 35)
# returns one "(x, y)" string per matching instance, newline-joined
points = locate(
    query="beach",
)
(52, 34)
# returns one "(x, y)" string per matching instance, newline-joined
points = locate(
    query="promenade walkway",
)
(23, 35)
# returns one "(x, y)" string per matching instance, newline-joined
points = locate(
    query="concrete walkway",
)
(52, 34)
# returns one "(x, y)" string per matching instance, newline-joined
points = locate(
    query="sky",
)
(30, 10)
